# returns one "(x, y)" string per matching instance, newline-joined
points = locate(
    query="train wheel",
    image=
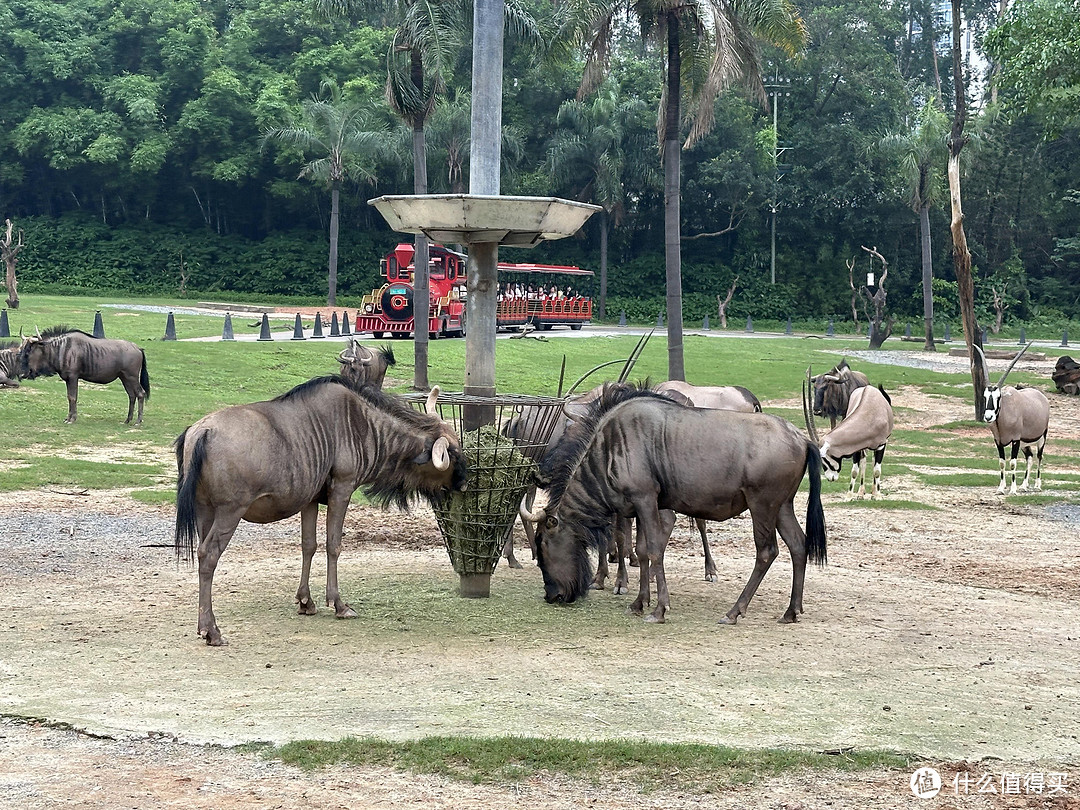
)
(576, 327)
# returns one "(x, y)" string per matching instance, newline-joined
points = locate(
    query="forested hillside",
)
(134, 155)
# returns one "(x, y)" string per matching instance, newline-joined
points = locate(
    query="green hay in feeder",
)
(474, 523)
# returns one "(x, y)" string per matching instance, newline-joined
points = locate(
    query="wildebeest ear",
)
(551, 522)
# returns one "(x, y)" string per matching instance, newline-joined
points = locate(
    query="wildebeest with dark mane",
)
(637, 454)
(832, 391)
(74, 355)
(362, 366)
(315, 444)
(9, 364)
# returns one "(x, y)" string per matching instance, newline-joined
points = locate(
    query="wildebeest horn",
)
(346, 355)
(539, 510)
(432, 398)
(1001, 382)
(808, 414)
(440, 453)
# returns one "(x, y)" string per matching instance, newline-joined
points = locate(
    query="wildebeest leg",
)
(656, 525)
(710, 566)
(212, 542)
(624, 539)
(309, 542)
(765, 540)
(879, 455)
(508, 547)
(338, 503)
(601, 574)
(637, 607)
(73, 397)
(795, 539)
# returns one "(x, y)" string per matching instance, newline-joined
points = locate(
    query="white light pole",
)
(777, 88)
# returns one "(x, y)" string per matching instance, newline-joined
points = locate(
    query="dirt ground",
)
(950, 634)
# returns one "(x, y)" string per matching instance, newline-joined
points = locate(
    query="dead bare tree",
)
(880, 324)
(1000, 305)
(854, 293)
(965, 282)
(9, 249)
(722, 303)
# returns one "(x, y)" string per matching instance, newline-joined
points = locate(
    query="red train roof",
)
(404, 254)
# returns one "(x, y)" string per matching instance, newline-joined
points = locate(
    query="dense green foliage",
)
(132, 156)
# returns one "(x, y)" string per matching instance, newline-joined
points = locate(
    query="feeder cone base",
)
(475, 586)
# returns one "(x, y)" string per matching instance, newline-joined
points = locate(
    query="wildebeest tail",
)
(144, 378)
(186, 482)
(815, 515)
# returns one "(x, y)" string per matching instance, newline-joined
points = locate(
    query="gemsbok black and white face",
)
(991, 402)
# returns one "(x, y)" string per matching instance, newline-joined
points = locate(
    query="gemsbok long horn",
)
(1019, 354)
(808, 413)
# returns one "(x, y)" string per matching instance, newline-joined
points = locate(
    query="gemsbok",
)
(867, 427)
(1018, 416)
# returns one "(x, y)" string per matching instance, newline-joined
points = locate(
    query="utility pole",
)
(777, 88)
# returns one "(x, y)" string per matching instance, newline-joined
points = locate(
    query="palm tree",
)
(922, 151)
(347, 142)
(709, 45)
(589, 150)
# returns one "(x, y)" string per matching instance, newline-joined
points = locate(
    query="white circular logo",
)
(926, 783)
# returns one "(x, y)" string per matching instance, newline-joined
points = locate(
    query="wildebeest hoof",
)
(214, 638)
(307, 608)
(653, 618)
(512, 562)
(620, 589)
(346, 613)
(728, 620)
(787, 618)
(596, 586)
(711, 577)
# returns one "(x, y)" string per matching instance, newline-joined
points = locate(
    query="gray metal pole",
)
(776, 183)
(484, 160)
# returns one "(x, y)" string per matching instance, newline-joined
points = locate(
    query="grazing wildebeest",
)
(1019, 417)
(637, 454)
(867, 427)
(315, 444)
(833, 389)
(9, 364)
(75, 355)
(360, 365)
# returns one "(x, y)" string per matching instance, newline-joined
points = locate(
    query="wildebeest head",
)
(37, 358)
(441, 467)
(832, 390)
(561, 552)
(361, 366)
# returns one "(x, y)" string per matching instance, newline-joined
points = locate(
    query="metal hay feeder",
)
(476, 523)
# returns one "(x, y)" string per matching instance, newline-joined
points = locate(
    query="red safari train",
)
(529, 298)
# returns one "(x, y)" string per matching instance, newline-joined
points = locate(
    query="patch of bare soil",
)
(949, 634)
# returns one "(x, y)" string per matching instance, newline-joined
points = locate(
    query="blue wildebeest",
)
(75, 355)
(9, 364)
(1019, 417)
(637, 454)
(833, 389)
(866, 428)
(725, 397)
(360, 365)
(315, 444)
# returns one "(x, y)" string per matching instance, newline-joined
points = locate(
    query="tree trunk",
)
(421, 278)
(672, 213)
(335, 217)
(9, 248)
(927, 279)
(603, 262)
(961, 255)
